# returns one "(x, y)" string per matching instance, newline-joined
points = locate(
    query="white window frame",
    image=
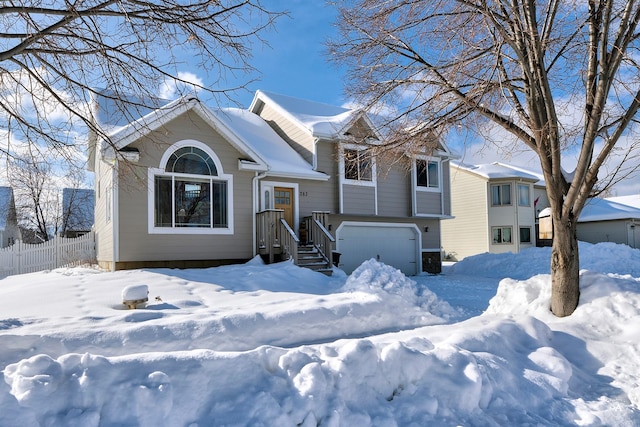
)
(502, 242)
(501, 185)
(345, 180)
(221, 177)
(414, 173)
(530, 235)
(528, 187)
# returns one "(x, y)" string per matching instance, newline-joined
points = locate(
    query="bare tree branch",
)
(445, 63)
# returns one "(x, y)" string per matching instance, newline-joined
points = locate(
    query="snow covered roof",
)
(631, 200)
(496, 171)
(246, 131)
(281, 158)
(321, 120)
(606, 210)
(598, 209)
(539, 175)
(77, 208)
(6, 196)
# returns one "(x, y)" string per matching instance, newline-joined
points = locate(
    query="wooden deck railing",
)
(274, 236)
(318, 234)
(277, 240)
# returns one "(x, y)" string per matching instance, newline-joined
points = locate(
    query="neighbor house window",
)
(501, 195)
(501, 235)
(427, 174)
(524, 198)
(358, 165)
(525, 234)
(189, 193)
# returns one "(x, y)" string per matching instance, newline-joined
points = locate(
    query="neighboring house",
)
(606, 220)
(9, 230)
(77, 211)
(495, 210)
(184, 185)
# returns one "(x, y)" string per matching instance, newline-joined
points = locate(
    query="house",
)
(494, 207)
(77, 211)
(607, 220)
(183, 185)
(9, 230)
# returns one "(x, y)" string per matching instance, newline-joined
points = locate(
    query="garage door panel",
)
(396, 246)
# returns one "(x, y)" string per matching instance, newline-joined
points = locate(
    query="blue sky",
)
(296, 63)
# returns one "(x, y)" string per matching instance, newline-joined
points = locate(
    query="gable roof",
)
(245, 131)
(318, 119)
(496, 170)
(281, 158)
(6, 201)
(77, 208)
(123, 135)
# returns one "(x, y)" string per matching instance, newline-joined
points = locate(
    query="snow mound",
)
(378, 278)
(601, 257)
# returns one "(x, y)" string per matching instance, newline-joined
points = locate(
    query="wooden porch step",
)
(309, 257)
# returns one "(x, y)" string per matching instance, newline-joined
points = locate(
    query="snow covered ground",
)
(276, 345)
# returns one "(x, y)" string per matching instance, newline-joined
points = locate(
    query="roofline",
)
(157, 118)
(319, 176)
(515, 177)
(262, 96)
(357, 114)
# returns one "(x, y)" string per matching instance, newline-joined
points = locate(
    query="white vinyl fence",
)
(22, 258)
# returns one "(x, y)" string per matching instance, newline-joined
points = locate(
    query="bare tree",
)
(36, 194)
(54, 54)
(559, 76)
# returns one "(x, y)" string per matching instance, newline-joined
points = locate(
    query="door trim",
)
(267, 202)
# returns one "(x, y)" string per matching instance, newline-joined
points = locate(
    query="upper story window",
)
(189, 194)
(427, 173)
(524, 197)
(501, 195)
(358, 165)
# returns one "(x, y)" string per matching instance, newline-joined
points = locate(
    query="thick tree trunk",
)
(565, 267)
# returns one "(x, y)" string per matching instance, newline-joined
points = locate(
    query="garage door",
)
(393, 245)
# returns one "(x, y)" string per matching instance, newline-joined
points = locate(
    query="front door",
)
(283, 199)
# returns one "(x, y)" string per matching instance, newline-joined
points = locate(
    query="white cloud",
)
(187, 81)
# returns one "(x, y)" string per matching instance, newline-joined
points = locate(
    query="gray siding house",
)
(182, 185)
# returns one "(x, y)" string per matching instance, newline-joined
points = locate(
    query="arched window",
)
(189, 193)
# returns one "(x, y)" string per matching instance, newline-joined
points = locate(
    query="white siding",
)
(468, 233)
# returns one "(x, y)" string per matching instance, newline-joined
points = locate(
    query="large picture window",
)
(427, 174)
(189, 194)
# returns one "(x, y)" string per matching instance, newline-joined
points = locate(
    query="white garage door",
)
(393, 245)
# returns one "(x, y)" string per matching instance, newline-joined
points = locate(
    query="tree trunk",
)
(565, 267)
